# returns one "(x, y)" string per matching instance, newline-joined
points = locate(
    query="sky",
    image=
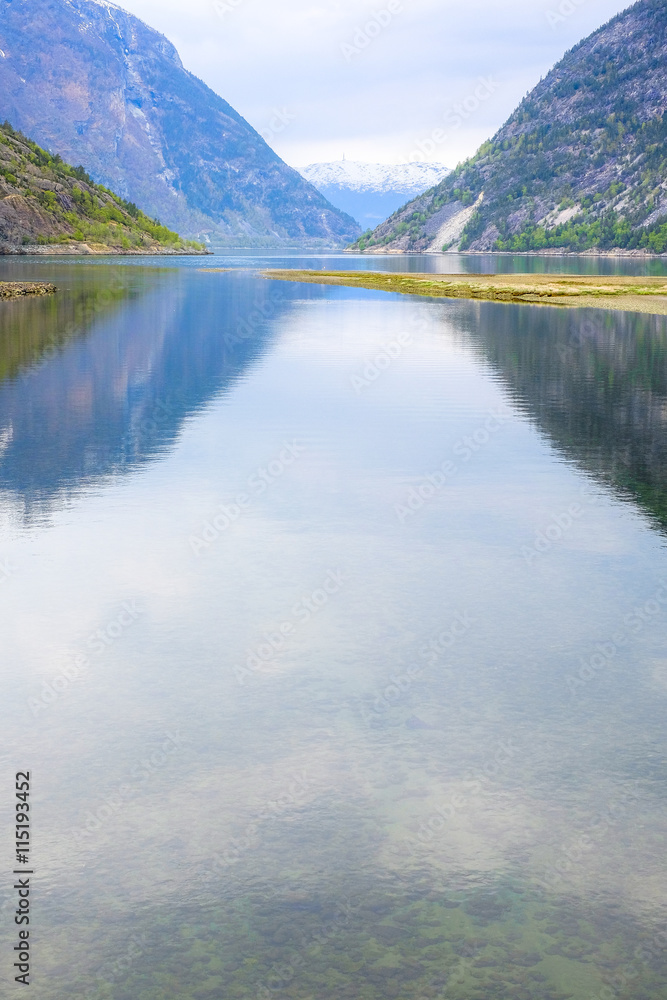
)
(383, 81)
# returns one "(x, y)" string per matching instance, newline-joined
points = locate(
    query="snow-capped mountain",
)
(370, 192)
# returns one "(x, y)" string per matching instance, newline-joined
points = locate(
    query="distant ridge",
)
(581, 165)
(89, 81)
(370, 192)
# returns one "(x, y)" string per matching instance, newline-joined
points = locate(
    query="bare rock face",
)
(96, 85)
(19, 217)
(580, 165)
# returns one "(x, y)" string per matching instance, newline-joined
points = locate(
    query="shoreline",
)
(611, 254)
(94, 250)
(612, 292)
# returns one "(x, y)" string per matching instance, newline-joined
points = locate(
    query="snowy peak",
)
(371, 192)
(402, 178)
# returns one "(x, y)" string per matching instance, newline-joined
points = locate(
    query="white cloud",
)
(371, 78)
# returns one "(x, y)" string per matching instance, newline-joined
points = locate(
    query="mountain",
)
(97, 86)
(370, 192)
(45, 203)
(580, 165)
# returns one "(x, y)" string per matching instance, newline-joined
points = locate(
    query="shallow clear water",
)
(333, 635)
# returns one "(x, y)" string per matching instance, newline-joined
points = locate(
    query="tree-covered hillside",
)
(44, 201)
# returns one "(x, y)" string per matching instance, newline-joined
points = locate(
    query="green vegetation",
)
(79, 210)
(535, 174)
(606, 233)
(494, 941)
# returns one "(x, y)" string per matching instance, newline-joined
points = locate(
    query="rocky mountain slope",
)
(580, 165)
(47, 204)
(370, 192)
(96, 85)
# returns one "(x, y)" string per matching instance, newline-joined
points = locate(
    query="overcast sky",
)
(375, 80)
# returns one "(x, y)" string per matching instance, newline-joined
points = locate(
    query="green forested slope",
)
(44, 201)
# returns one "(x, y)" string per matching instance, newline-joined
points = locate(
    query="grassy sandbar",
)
(628, 294)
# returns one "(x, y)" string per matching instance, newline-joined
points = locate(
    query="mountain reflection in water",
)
(595, 384)
(100, 380)
(370, 810)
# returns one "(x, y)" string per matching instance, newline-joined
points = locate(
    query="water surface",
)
(334, 636)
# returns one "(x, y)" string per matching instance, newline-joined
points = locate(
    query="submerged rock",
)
(13, 289)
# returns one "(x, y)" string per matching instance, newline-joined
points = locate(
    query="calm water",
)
(333, 633)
